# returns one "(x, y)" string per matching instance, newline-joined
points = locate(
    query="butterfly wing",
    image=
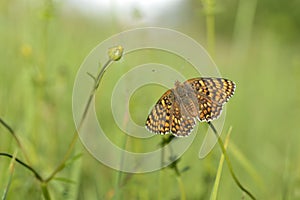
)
(160, 118)
(166, 117)
(182, 125)
(212, 94)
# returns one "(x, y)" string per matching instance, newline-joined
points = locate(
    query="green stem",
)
(173, 166)
(210, 25)
(114, 54)
(11, 170)
(214, 193)
(12, 132)
(120, 173)
(73, 142)
(45, 191)
(65, 158)
(229, 163)
(181, 188)
(92, 94)
(210, 31)
(36, 174)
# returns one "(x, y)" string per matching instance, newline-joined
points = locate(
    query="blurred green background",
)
(254, 43)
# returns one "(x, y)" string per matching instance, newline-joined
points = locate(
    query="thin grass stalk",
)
(209, 9)
(243, 28)
(11, 173)
(75, 135)
(45, 191)
(36, 174)
(115, 53)
(173, 166)
(247, 166)
(160, 178)
(181, 188)
(229, 163)
(120, 173)
(214, 193)
(12, 132)
(118, 183)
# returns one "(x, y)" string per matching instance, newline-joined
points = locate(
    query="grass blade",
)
(214, 193)
(11, 173)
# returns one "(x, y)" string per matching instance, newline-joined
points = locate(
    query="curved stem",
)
(73, 142)
(65, 158)
(115, 54)
(36, 174)
(12, 132)
(229, 163)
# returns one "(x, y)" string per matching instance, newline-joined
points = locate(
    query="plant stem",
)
(114, 54)
(120, 173)
(210, 25)
(229, 163)
(45, 191)
(36, 174)
(173, 166)
(11, 170)
(214, 193)
(12, 132)
(75, 135)
(181, 188)
(65, 158)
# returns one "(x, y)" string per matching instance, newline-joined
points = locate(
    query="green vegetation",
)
(254, 43)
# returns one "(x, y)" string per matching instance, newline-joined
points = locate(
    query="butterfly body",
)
(186, 98)
(198, 98)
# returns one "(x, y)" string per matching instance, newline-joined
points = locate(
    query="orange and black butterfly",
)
(198, 98)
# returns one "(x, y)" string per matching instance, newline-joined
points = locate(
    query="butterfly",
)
(199, 99)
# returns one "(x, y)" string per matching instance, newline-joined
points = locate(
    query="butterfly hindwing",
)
(208, 110)
(182, 125)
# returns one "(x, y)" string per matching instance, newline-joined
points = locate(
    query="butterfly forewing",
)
(159, 120)
(212, 94)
